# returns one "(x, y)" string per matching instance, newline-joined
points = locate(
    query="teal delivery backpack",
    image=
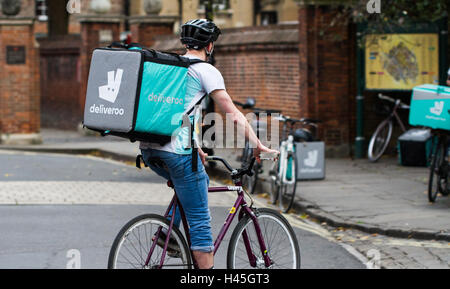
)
(430, 107)
(136, 93)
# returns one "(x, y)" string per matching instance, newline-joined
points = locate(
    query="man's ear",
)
(210, 46)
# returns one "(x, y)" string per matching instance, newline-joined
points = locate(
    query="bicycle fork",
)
(254, 262)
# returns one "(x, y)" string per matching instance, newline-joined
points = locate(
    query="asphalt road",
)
(41, 235)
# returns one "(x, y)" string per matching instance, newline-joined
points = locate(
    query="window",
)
(218, 5)
(41, 10)
(269, 18)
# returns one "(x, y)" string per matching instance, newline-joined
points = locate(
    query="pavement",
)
(382, 198)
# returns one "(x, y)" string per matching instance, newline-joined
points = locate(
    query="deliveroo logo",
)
(110, 91)
(438, 108)
(313, 158)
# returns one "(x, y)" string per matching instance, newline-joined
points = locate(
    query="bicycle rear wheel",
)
(279, 238)
(437, 180)
(380, 140)
(132, 245)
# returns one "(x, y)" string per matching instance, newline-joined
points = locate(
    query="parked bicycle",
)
(284, 171)
(382, 136)
(262, 239)
(439, 168)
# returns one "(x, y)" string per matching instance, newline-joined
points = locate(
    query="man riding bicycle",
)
(198, 37)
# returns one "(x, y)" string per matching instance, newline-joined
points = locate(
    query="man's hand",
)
(263, 149)
(203, 156)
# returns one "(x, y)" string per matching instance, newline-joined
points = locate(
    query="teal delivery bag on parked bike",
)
(430, 107)
(136, 93)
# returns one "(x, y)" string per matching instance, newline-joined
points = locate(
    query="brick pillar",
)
(19, 77)
(326, 86)
(96, 31)
(145, 29)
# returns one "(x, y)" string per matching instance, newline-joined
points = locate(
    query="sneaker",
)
(173, 249)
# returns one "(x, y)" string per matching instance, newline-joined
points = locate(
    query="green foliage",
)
(394, 13)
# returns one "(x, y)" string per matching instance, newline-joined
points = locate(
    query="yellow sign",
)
(401, 61)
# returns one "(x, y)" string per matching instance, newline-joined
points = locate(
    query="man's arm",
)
(223, 100)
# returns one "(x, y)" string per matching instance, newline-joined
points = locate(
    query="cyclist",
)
(198, 37)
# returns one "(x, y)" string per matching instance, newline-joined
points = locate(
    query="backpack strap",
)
(195, 61)
(194, 149)
(139, 158)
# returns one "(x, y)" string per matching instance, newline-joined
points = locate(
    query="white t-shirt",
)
(203, 78)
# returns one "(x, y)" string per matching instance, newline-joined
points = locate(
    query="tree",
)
(383, 15)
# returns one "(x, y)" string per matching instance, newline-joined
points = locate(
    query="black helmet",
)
(199, 33)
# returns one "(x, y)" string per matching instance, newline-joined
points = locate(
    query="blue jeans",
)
(192, 191)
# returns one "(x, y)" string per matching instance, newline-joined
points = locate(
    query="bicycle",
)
(145, 241)
(439, 168)
(381, 138)
(284, 172)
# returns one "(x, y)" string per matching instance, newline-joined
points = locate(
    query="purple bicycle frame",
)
(239, 204)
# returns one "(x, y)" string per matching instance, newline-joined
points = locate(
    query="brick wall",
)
(146, 33)
(19, 84)
(262, 63)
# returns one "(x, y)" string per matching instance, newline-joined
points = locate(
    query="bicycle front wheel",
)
(282, 246)
(133, 244)
(380, 140)
(288, 187)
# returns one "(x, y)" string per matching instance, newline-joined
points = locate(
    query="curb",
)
(300, 205)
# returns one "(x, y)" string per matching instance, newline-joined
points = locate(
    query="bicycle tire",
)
(274, 244)
(434, 185)
(127, 230)
(373, 155)
(274, 185)
(285, 198)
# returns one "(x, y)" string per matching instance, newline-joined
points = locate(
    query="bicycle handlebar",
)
(259, 111)
(390, 99)
(235, 172)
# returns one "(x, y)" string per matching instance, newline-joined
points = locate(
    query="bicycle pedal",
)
(173, 249)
